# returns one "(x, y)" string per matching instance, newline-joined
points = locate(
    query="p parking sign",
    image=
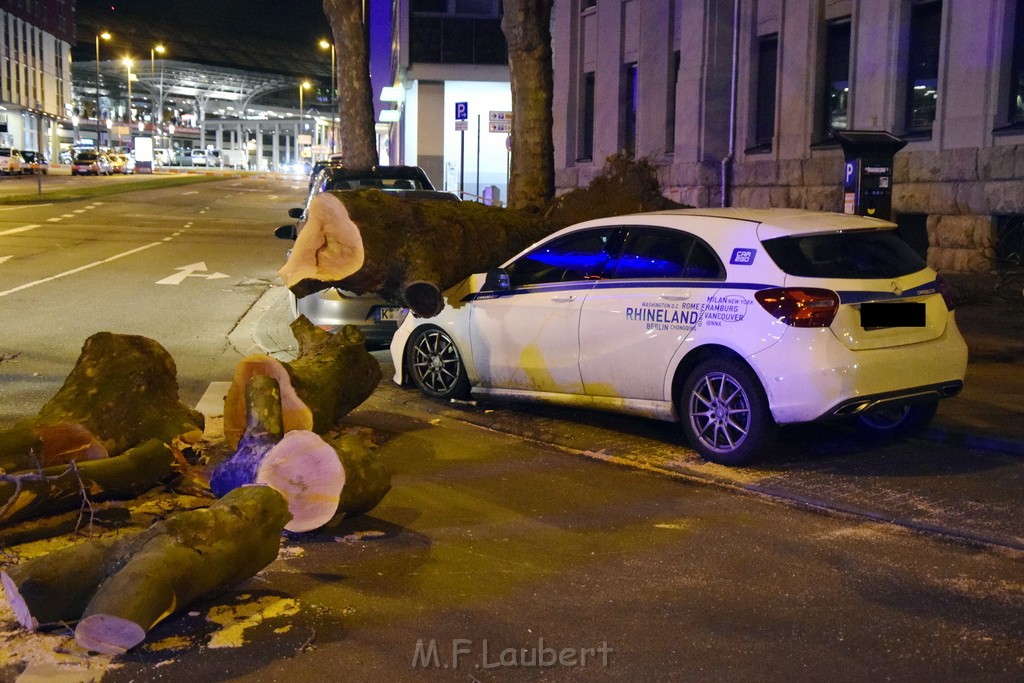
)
(461, 111)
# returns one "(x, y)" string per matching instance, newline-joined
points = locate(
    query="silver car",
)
(331, 308)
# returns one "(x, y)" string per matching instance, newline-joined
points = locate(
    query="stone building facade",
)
(739, 98)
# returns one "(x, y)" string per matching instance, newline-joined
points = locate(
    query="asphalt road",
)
(525, 530)
(180, 265)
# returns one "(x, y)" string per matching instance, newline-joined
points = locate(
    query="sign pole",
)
(478, 156)
(462, 165)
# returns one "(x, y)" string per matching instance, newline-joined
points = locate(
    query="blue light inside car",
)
(574, 260)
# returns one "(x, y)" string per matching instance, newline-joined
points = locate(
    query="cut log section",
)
(34, 446)
(309, 474)
(124, 390)
(294, 411)
(175, 562)
(367, 477)
(122, 477)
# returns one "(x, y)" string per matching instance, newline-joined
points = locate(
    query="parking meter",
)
(867, 184)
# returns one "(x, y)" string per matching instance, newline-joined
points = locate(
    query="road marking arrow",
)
(190, 270)
(6, 258)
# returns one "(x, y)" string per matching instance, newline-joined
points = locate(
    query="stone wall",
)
(961, 191)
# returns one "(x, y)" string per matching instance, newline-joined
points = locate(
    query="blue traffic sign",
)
(461, 111)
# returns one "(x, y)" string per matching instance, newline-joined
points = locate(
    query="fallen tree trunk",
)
(332, 374)
(124, 390)
(367, 477)
(36, 446)
(180, 560)
(264, 428)
(309, 474)
(62, 488)
(121, 588)
(411, 251)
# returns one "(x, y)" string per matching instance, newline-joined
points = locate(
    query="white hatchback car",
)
(731, 321)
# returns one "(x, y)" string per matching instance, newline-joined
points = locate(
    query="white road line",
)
(67, 215)
(6, 258)
(54, 220)
(78, 211)
(192, 192)
(24, 228)
(23, 206)
(80, 268)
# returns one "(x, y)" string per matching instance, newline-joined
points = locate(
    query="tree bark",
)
(355, 98)
(367, 477)
(33, 446)
(526, 25)
(124, 390)
(69, 522)
(295, 413)
(122, 477)
(177, 561)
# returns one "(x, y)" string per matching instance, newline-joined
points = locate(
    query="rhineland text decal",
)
(742, 257)
(660, 315)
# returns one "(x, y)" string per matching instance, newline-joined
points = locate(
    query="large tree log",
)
(34, 446)
(333, 374)
(69, 522)
(121, 588)
(310, 476)
(58, 489)
(123, 389)
(177, 561)
(411, 251)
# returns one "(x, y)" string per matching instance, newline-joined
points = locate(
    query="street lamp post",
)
(105, 36)
(128, 63)
(324, 44)
(152, 56)
(305, 85)
(159, 113)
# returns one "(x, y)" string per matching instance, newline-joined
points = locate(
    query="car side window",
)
(662, 253)
(578, 256)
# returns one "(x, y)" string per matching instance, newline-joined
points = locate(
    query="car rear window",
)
(861, 254)
(86, 156)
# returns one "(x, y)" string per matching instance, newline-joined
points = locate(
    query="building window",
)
(629, 102)
(764, 106)
(586, 111)
(837, 76)
(923, 66)
(670, 114)
(1017, 67)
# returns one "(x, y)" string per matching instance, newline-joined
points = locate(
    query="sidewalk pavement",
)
(989, 413)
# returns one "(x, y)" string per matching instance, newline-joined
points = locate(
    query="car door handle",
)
(564, 299)
(676, 297)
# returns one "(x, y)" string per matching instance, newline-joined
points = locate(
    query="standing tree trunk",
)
(526, 26)
(355, 97)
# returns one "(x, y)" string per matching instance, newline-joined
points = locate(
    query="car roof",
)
(774, 222)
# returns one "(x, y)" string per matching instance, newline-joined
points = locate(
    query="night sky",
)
(300, 20)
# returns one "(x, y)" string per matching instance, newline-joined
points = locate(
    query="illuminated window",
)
(836, 105)
(923, 66)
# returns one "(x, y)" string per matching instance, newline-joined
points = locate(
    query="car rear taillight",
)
(949, 294)
(800, 306)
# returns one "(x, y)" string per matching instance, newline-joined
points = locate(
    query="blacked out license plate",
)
(907, 314)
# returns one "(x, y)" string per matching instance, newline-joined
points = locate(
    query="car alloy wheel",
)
(435, 364)
(725, 412)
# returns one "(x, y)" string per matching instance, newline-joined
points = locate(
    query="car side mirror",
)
(497, 280)
(286, 232)
(295, 213)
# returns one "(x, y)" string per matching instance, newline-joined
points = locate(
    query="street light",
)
(324, 45)
(128, 63)
(152, 56)
(305, 85)
(104, 36)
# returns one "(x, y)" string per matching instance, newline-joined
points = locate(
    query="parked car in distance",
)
(332, 308)
(198, 157)
(729, 321)
(11, 161)
(91, 163)
(122, 163)
(34, 162)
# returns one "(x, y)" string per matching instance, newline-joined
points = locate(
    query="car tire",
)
(435, 364)
(898, 422)
(725, 412)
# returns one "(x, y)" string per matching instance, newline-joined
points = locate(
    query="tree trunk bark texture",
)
(355, 97)
(526, 25)
(119, 589)
(124, 390)
(34, 446)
